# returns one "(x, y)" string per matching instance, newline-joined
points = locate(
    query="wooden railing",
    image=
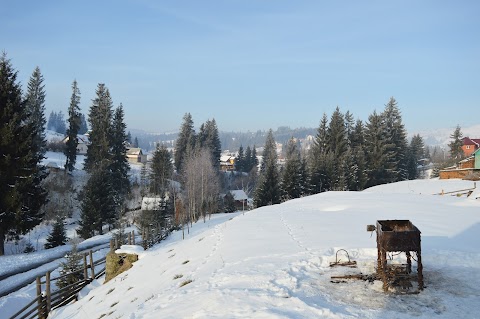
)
(47, 300)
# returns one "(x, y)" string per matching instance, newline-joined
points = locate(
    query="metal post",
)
(133, 237)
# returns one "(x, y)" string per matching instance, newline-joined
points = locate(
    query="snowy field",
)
(273, 262)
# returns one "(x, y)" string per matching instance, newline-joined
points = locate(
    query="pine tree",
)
(71, 270)
(144, 180)
(35, 104)
(161, 170)
(416, 151)
(100, 117)
(208, 138)
(83, 125)
(456, 144)
(58, 236)
(268, 188)
(318, 159)
(135, 142)
(73, 128)
(240, 160)
(52, 120)
(396, 136)
(378, 152)
(21, 193)
(119, 167)
(185, 142)
(60, 126)
(292, 178)
(229, 203)
(337, 144)
(98, 207)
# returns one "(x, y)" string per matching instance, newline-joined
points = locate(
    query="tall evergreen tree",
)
(35, 104)
(268, 188)
(83, 124)
(208, 138)
(73, 128)
(98, 207)
(292, 179)
(240, 160)
(416, 151)
(21, 193)
(378, 152)
(456, 143)
(320, 159)
(119, 166)
(396, 134)
(161, 170)
(52, 120)
(337, 145)
(185, 141)
(100, 117)
(60, 126)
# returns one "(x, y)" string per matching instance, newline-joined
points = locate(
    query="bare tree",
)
(201, 186)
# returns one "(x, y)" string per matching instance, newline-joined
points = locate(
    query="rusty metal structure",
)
(398, 236)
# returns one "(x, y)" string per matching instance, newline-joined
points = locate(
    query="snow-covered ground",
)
(273, 262)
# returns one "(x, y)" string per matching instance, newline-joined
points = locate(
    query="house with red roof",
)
(470, 145)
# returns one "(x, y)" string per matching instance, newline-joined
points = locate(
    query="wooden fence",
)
(47, 300)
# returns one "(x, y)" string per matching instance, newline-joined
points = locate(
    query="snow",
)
(239, 194)
(130, 249)
(273, 262)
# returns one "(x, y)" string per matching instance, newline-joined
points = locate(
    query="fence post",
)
(129, 238)
(133, 237)
(48, 293)
(40, 299)
(91, 265)
(85, 267)
(111, 244)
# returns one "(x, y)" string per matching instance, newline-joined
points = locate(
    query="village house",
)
(227, 163)
(470, 145)
(82, 145)
(241, 199)
(135, 155)
(468, 168)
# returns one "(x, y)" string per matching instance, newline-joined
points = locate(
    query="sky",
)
(253, 64)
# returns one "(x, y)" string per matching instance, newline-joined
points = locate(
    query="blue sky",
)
(253, 64)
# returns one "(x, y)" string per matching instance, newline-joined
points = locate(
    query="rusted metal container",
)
(398, 235)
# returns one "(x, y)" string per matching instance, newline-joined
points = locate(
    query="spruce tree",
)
(456, 144)
(318, 158)
(100, 117)
(268, 188)
(240, 160)
(161, 170)
(73, 128)
(71, 270)
(396, 136)
(57, 237)
(98, 207)
(337, 144)
(379, 154)
(35, 104)
(52, 119)
(60, 126)
(229, 203)
(208, 138)
(21, 193)
(119, 167)
(247, 160)
(416, 151)
(292, 178)
(185, 142)
(83, 125)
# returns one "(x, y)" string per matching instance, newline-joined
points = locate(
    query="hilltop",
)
(274, 261)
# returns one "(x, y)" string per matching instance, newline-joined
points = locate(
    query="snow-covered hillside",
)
(273, 262)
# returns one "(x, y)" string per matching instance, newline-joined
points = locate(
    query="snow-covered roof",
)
(239, 194)
(225, 158)
(134, 151)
